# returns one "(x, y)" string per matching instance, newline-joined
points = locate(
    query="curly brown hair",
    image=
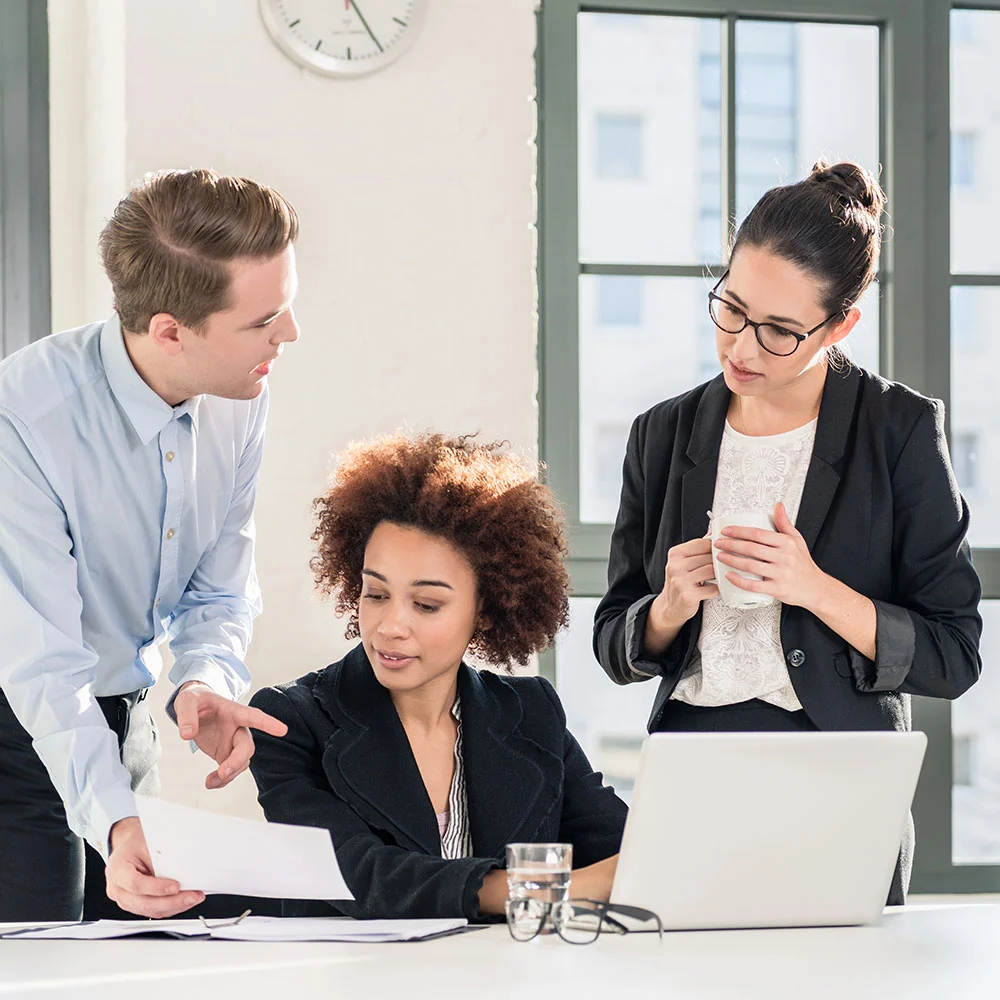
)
(480, 498)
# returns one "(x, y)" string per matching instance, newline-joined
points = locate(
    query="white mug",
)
(732, 596)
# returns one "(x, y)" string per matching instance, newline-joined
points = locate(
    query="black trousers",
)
(46, 871)
(761, 717)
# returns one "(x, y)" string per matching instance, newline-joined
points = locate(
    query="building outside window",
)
(619, 146)
(619, 300)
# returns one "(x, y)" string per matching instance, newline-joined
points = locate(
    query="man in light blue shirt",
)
(129, 453)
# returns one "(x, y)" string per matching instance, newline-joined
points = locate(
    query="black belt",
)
(117, 709)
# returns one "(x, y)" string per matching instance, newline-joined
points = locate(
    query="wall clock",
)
(343, 37)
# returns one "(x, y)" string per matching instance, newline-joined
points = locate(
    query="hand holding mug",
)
(780, 558)
(689, 579)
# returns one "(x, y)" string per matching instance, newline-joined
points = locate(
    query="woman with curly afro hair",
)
(421, 767)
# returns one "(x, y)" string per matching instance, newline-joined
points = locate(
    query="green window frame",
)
(914, 288)
(25, 312)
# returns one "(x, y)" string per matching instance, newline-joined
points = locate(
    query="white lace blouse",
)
(739, 649)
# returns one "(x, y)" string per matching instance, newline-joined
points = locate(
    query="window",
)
(619, 146)
(619, 300)
(733, 101)
(976, 757)
(963, 159)
(965, 319)
(612, 737)
(609, 450)
(975, 271)
(965, 460)
(963, 27)
(666, 236)
(964, 760)
(975, 415)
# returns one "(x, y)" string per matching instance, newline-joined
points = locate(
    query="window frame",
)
(25, 308)
(914, 289)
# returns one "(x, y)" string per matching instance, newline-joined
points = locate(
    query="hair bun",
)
(854, 184)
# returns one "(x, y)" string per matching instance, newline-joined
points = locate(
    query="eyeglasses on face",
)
(576, 921)
(730, 318)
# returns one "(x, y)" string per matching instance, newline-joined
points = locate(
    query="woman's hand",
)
(781, 557)
(594, 881)
(689, 579)
(493, 893)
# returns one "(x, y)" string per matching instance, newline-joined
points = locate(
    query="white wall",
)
(416, 258)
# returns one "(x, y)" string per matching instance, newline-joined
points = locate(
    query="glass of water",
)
(538, 877)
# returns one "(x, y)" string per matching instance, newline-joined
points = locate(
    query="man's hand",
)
(221, 728)
(130, 879)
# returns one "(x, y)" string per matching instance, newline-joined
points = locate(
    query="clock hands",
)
(357, 10)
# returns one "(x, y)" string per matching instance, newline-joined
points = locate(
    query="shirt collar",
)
(146, 411)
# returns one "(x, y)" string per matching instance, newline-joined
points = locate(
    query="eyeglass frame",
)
(603, 910)
(747, 321)
(225, 922)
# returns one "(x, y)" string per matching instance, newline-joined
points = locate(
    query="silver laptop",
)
(767, 829)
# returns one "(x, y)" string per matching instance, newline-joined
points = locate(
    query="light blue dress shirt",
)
(123, 521)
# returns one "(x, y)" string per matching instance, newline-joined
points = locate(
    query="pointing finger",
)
(254, 718)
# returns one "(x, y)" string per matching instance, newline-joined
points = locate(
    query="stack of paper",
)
(335, 929)
(250, 929)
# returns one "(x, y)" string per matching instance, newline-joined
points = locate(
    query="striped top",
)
(456, 840)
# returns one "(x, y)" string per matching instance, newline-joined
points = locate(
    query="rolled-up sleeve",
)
(620, 620)
(46, 667)
(927, 636)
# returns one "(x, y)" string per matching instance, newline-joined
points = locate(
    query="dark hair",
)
(167, 245)
(828, 224)
(481, 499)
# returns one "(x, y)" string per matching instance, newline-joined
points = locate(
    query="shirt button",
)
(157, 604)
(795, 658)
(170, 532)
(169, 456)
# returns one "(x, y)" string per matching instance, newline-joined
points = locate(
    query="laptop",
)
(732, 830)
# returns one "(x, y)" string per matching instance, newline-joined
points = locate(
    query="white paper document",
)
(334, 929)
(216, 853)
(104, 930)
(248, 929)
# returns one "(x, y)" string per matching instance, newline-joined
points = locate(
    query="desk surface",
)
(933, 952)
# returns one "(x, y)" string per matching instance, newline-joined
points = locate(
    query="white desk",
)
(934, 952)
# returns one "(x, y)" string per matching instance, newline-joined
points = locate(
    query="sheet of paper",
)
(248, 929)
(335, 929)
(216, 853)
(102, 930)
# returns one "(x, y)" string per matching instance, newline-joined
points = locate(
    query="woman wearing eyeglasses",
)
(422, 768)
(874, 596)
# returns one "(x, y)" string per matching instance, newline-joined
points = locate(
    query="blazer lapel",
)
(368, 759)
(512, 783)
(833, 430)
(698, 483)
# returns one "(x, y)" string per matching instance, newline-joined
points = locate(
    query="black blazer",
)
(880, 512)
(346, 765)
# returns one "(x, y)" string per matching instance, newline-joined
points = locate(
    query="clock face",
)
(343, 37)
